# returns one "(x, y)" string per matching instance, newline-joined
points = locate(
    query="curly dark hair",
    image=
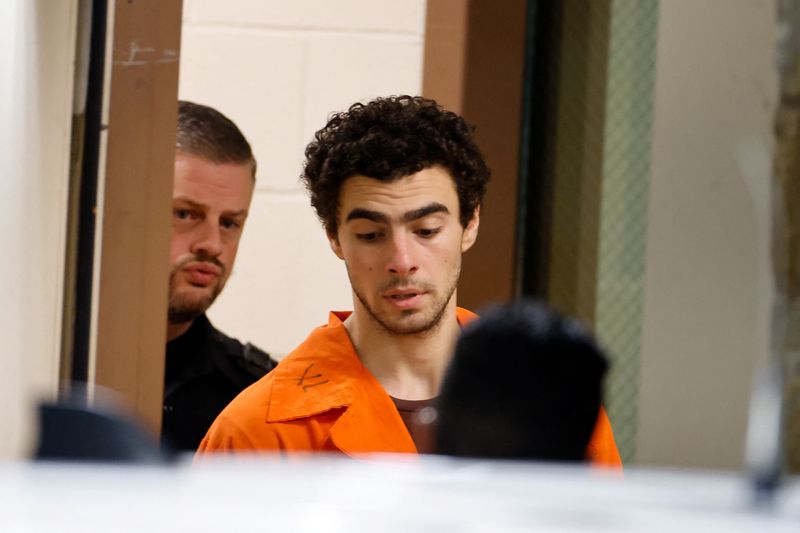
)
(203, 131)
(387, 139)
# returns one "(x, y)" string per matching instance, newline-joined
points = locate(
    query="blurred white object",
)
(764, 450)
(390, 494)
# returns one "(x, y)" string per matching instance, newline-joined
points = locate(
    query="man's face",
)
(402, 243)
(209, 208)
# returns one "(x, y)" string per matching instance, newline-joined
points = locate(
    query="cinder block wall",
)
(278, 69)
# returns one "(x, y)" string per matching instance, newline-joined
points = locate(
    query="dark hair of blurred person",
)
(524, 383)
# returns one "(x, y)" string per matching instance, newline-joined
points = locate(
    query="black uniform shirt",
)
(205, 370)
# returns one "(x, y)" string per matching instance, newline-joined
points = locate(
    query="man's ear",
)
(471, 230)
(333, 240)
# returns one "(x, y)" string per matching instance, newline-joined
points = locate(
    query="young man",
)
(214, 180)
(397, 184)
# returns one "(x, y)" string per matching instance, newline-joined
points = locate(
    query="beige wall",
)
(278, 69)
(708, 285)
(37, 45)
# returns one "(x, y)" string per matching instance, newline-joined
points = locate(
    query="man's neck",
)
(410, 367)
(176, 330)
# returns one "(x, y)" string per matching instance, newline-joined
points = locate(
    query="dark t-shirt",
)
(419, 416)
(204, 371)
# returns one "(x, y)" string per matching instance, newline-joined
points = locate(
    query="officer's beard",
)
(184, 306)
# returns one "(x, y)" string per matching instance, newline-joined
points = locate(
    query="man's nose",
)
(402, 261)
(209, 240)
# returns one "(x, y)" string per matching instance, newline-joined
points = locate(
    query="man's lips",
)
(202, 273)
(404, 298)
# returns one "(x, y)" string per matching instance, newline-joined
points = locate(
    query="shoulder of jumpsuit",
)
(321, 374)
(465, 316)
(241, 363)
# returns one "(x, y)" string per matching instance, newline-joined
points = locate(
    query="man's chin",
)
(183, 315)
(419, 320)
(184, 309)
(409, 323)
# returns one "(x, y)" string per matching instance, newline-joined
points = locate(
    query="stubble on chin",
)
(407, 325)
(183, 306)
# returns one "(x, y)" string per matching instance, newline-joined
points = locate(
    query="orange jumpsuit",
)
(321, 398)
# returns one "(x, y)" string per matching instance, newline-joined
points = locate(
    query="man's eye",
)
(368, 237)
(427, 233)
(181, 214)
(230, 224)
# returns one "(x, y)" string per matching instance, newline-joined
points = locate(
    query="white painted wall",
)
(278, 69)
(708, 278)
(37, 46)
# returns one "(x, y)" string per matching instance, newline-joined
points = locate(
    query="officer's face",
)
(209, 209)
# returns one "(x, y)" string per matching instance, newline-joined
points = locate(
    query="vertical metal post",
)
(786, 224)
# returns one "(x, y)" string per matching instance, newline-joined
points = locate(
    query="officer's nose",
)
(209, 240)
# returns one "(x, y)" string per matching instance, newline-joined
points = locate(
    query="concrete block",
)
(397, 16)
(254, 78)
(346, 69)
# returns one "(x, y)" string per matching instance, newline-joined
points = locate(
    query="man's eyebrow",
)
(422, 212)
(191, 203)
(197, 205)
(235, 214)
(373, 216)
(409, 216)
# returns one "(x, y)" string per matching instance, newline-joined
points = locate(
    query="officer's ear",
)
(333, 240)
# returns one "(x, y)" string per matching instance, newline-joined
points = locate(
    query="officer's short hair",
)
(207, 133)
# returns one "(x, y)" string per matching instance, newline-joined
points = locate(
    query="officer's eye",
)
(229, 223)
(181, 214)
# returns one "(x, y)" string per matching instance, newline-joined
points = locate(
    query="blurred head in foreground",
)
(524, 383)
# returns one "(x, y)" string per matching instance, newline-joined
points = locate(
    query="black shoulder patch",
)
(257, 361)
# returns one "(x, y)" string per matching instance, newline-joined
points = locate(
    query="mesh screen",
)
(623, 210)
(602, 77)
